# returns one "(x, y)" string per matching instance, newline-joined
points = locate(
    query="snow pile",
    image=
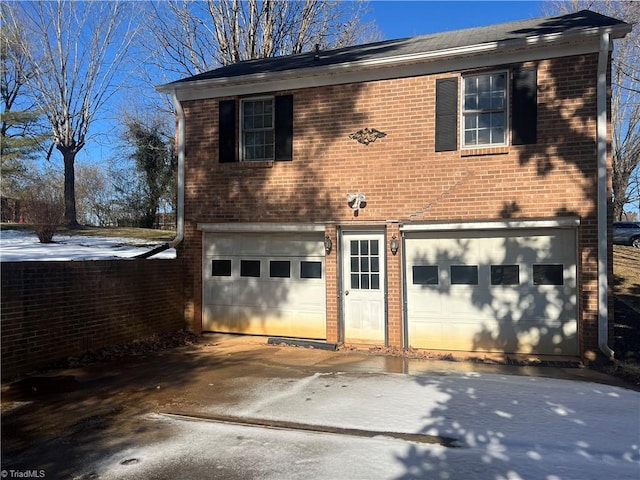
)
(22, 246)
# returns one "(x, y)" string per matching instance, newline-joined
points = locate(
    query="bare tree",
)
(625, 108)
(95, 194)
(82, 45)
(634, 196)
(192, 37)
(625, 96)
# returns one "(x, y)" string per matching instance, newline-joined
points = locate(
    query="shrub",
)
(44, 209)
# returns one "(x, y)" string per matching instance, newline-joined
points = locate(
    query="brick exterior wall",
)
(403, 178)
(52, 310)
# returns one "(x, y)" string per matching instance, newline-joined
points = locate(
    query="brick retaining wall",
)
(52, 310)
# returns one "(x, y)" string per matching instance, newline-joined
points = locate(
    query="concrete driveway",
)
(235, 407)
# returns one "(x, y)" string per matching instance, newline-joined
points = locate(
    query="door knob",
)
(346, 292)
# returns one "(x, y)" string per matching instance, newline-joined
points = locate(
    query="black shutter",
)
(284, 127)
(227, 131)
(446, 114)
(524, 107)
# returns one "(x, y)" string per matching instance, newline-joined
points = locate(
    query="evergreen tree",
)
(21, 134)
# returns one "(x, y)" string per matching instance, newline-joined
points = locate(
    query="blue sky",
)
(398, 19)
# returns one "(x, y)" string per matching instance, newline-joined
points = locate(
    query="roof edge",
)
(534, 41)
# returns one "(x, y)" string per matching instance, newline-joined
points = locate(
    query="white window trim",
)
(241, 126)
(507, 120)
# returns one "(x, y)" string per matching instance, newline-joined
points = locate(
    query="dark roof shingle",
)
(504, 32)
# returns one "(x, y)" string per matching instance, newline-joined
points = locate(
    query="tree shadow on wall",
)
(567, 145)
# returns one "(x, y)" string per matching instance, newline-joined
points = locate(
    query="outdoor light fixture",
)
(393, 245)
(356, 201)
(327, 244)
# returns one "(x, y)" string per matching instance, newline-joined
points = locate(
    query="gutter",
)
(180, 206)
(603, 199)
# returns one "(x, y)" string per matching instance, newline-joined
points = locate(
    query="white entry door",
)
(363, 287)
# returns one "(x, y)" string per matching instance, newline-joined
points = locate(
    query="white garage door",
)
(495, 291)
(264, 284)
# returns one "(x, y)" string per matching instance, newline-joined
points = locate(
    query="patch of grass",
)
(626, 272)
(626, 341)
(88, 231)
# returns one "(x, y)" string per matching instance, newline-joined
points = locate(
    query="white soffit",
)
(569, 222)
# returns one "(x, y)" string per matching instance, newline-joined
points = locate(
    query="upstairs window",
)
(489, 109)
(257, 130)
(484, 109)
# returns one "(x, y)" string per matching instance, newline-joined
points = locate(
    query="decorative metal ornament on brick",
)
(366, 136)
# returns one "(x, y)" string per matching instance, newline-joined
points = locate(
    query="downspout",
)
(603, 199)
(180, 193)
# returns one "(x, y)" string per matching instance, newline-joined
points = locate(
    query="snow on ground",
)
(21, 246)
(508, 428)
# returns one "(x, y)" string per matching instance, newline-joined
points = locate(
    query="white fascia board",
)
(261, 227)
(380, 70)
(568, 222)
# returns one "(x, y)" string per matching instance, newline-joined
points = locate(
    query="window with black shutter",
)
(485, 109)
(266, 129)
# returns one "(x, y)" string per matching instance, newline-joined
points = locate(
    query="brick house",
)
(443, 192)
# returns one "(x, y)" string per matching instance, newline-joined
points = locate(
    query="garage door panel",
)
(450, 335)
(431, 301)
(506, 301)
(309, 294)
(254, 291)
(271, 246)
(435, 251)
(509, 306)
(424, 334)
(248, 320)
(218, 245)
(221, 318)
(223, 292)
(461, 301)
(264, 244)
